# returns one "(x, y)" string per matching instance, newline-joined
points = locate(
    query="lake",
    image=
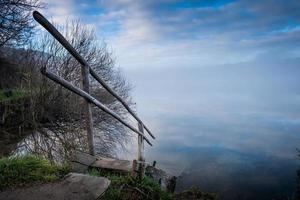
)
(232, 129)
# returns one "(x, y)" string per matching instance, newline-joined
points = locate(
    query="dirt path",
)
(73, 187)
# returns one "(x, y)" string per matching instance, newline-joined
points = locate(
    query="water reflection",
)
(9, 142)
(54, 146)
(235, 175)
(230, 173)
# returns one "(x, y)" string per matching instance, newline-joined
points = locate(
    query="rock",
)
(73, 187)
(165, 180)
(96, 186)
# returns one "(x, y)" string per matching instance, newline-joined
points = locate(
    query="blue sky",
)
(188, 32)
(205, 73)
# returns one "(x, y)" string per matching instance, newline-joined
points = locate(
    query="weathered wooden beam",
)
(83, 161)
(141, 156)
(88, 109)
(114, 164)
(84, 74)
(60, 38)
(91, 99)
(95, 75)
(134, 168)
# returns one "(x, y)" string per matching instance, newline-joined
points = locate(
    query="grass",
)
(125, 187)
(12, 94)
(22, 170)
(195, 193)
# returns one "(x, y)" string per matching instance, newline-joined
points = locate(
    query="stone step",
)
(74, 187)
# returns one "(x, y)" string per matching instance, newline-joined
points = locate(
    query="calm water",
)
(232, 174)
(238, 165)
(233, 131)
(230, 129)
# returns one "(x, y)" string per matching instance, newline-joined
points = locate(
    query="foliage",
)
(55, 115)
(12, 94)
(125, 187)
(194, 193)
(20, 170)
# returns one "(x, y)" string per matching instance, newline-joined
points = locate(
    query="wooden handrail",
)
(91, 99)
(60, 38)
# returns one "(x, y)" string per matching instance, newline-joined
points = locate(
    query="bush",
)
(125, 187)
(21, 170)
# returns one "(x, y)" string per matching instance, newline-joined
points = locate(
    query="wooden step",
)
(80, 162)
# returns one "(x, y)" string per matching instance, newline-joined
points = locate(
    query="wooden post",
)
(88, 109)
(85, 71)
(141, 157)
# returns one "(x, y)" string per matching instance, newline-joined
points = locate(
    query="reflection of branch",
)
(63, 110)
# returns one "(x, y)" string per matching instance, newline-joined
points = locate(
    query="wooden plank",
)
(86, 159)
(114, 164)
(83, 158)
(91, 99)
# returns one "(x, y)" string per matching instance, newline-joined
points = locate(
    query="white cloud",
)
(58, 11)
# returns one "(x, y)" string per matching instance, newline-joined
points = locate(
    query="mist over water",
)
(230, 129)
(217, 82)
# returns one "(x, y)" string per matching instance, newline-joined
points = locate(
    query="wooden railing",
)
(84, 92)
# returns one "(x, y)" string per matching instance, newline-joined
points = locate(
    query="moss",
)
(21, 170)
(12, 94)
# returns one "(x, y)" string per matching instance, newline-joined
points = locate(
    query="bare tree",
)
(16, 25)
(56, 114)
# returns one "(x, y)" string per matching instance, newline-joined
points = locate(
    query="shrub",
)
(125, 187)
(21, 170)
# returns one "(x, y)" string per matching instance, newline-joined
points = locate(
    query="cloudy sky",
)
(218, 74)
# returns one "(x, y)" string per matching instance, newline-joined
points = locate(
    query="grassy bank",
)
(124, 187)
(27, 170)
(22, 170)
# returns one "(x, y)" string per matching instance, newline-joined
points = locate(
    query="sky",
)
(211, 74)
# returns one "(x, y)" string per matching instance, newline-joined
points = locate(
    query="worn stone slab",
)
(73, 187)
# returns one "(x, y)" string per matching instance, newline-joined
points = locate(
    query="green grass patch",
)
(21, 170)
(125, 187)
(12, 94)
